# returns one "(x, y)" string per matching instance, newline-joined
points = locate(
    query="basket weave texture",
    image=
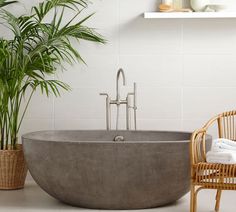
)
(13, 168)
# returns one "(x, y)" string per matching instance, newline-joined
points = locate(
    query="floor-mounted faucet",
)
(130, 103)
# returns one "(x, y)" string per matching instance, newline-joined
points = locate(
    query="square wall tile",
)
(153, 70)
(100, 73)
(206, 102)
(40, 106)
(139, 36)
(106, 22)
(209, 70)
(216, 36)
(83, 103)
(159, 103)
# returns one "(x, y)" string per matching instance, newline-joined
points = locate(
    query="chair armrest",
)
(198, 146)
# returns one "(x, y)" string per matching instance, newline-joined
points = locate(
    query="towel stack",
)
(222, 151)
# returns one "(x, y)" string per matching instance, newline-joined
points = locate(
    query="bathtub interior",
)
(107, 136)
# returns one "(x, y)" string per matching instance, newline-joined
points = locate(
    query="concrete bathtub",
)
(89, 169)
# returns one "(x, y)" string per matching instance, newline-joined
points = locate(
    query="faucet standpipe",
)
(118, 101)
(108, 111)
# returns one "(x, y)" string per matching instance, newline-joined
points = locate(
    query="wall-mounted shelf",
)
(190, 15)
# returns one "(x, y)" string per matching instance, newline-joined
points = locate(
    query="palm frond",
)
(43, 8)
(4, 3)
(38, 48)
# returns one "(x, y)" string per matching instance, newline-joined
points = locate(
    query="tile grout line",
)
(182, 75)
(118, 22)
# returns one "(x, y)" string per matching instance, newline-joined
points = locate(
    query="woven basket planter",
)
(13, 169)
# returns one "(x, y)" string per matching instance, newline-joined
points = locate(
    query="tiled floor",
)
(32, 198)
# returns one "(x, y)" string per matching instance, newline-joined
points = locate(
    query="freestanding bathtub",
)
(142, 169)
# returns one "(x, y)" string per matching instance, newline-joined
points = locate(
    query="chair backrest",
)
(227, 125)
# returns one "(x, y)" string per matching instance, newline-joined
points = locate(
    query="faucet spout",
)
(119, 73)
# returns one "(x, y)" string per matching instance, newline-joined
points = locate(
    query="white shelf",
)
(190, 15)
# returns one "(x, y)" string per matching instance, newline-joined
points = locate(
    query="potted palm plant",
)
(37, 47)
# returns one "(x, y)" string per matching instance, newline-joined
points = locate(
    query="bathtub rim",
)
(29, 136)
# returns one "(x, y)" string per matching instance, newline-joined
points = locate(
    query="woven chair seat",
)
(215, 176)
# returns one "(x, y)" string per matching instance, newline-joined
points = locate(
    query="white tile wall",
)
(216, 36)
(185, 70)
(204, 102)
(209, 70)
(106, 20)
(41, 107)
(153, 70)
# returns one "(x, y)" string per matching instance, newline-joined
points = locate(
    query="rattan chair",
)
(208, 175)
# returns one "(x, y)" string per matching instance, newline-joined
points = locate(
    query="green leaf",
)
(32, 55)
(4, 3)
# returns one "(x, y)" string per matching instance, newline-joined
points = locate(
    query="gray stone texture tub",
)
(89, 169)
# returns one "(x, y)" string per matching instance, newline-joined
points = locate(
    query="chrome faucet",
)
(118, 101)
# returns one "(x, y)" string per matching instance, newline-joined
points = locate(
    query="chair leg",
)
(193, 199)
(218, 196)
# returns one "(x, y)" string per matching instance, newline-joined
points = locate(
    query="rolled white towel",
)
(222, 144)
(224, 157)
(219, 147)
(226, 141)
